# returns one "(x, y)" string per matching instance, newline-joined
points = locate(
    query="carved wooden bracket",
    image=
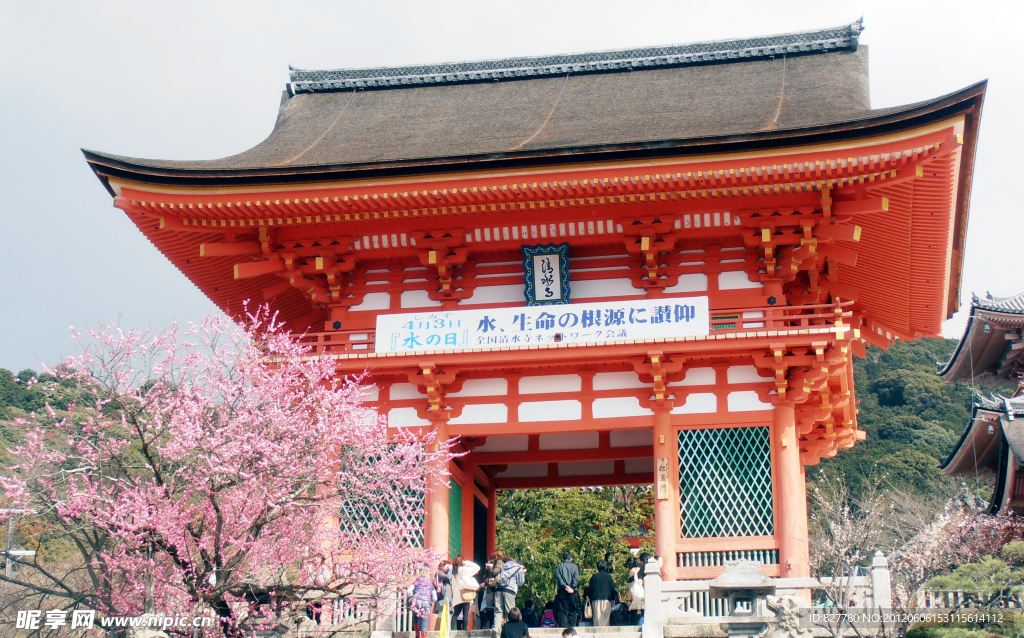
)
(818, 382)
(653, 240)
(799, 247)
(443, 251)
(316, 266)
(659, 371)
(436, 383)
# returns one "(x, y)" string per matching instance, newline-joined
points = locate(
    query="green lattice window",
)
(455, 519)
(359, 515)
(725, 483)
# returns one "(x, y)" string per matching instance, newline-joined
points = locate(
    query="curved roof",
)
(990, 350)
(658, 99)
(760, 96)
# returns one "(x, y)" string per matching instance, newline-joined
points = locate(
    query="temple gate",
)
(721, 227)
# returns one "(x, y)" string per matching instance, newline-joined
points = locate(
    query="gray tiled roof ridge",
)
(1013, 304)
(998, 403)
(842, 37)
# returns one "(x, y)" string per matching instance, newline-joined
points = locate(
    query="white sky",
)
(202, 79)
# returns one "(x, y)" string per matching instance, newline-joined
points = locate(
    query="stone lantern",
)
(747, 588)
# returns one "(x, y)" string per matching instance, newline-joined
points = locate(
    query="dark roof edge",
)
(998, 404)
(1011, 305)
(946, 369)
(836, 38)
(963, 437)
(106, 165)
(961, 215)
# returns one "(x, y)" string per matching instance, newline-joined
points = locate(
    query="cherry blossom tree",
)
(214, 467)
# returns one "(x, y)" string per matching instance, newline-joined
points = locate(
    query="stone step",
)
(628, 631)
(617, 631)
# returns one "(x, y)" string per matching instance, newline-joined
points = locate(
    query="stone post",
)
(881, 582)
(654, 611)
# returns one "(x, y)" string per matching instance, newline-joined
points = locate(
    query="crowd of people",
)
(484, 596)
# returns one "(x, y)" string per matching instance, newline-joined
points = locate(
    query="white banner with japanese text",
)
(533, 325)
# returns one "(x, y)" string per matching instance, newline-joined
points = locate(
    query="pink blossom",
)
(217, 462)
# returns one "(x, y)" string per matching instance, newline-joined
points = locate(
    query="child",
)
(422, 598)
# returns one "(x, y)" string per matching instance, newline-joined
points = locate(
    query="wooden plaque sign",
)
(661, 478)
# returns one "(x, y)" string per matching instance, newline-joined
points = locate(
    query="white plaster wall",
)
(509, 293)
(482, 388)
(746, 374)
(512, 443)
(551, 383)
(639, 466)
(736, 280)
(631, 438)
(482, 413)
(693, 282)
(590, 288)
(697, 376)
(418, 299)
(747, 401)
(400, 391)
(612, 407)
(570, 441)
(374, 301)
(369, 393)
(405, 417)
(617, 381)
(525, 470)
(701, 403)
(570, 410)
(586, 468)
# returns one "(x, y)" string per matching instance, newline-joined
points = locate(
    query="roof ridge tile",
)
(835, 38)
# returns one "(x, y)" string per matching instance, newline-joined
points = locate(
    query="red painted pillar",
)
(467, 514)
(437, 502)
(666, 490)
(791, 501)
(492, 520)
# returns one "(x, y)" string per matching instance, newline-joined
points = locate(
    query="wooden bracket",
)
(653, 240)
(443, 251)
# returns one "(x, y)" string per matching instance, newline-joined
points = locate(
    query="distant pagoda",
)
(991, 353)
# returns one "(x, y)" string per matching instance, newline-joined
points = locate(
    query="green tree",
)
(992, 580)
(536, 526)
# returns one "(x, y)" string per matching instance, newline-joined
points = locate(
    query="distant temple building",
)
(639, 267)
(991, 353)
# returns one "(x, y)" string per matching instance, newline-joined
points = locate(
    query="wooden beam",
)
(594, 480)
(257, 268)
(861, 207)
(224, 249)
(556, 456)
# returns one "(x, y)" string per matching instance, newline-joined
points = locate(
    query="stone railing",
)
(693, 602)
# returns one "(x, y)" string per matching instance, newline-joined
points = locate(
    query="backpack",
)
(504, 578)
(494, 570)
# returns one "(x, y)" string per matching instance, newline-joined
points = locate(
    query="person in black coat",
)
(601, 592)
(567, 595)
(515, 627)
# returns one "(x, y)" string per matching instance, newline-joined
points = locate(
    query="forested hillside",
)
(912, 419)
(18, 396)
